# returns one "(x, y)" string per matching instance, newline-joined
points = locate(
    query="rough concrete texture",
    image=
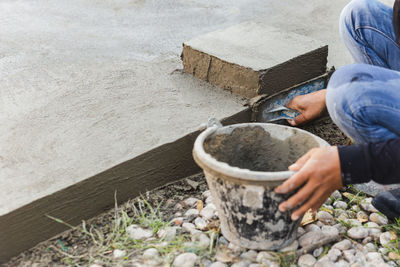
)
(252, 58)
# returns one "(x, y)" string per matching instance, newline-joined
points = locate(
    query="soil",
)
(44, 254)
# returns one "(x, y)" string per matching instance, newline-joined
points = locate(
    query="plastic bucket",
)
(243, 163)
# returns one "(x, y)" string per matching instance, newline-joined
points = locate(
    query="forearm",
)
(376, 161)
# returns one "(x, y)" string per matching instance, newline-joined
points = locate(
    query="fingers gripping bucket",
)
(243, 163)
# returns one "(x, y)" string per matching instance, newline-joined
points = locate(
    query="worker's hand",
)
(318, 174)
(310, 106)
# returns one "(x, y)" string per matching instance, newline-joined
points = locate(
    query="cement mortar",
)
(255, 149)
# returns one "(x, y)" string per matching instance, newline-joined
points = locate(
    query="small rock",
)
(342, 263)
(393, 256)
(167, 234)
(377, 218)
(340, 205)
(206, 194)
(370, 247)
(343, 217)
(325, 217)
(349, 255)
(383, 251)
(300, 231)
(306, 260)
(185, 260)
(292, 247)
(208, 212)
(118, 254)
(191, 214)
(218, 264)
(374, 256)
(138, 233)
(178, 206)
(358, 232)
(209, 200)
(93, 265)
(319, 224)
(312, 227)
(373, 227)
(341, 228)
(310, 238)
(222, 240)
(250, 255)
(188, 227)
(201, 240)
(256, 265)
(353, 222)
(264, 256)
(150, 254)
(343, 245)
(330, 231)
(362, 216)
(205, 263)
(177, 221)
(367, 206)
(200, 223)
(317, 252)
(367, 240)
(328, 201)
(235, 247)
(334, 254)
(243, 263)
(386, 239)
(355, 208)
(336, 195)
(324, 263)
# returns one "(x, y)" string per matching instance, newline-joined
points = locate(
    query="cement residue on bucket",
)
(255, 149)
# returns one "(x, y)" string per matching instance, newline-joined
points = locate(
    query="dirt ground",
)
(54, 251)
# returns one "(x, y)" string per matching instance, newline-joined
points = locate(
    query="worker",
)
(363, 100)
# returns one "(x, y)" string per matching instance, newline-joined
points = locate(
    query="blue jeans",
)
(363, 99)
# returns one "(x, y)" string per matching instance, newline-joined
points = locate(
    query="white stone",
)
(340, 205)
(358, 232)
(377, 218)
(243, 263)
(200, 223)
(355, 208)
(318, 251)
(190, 202)
(362, 216)
(201, 240)
(324, 263)
(374, 256)
(208, 212)
(292, 247)
(342, 263)
(349, 255)
(370, 247)
(341, 228)
(334, 254)
(343, 245)
(185, 260)
(167, 234)
(300, 231)
(150, 254)
(325, 217)
(206, 194)
(188, 227)
(310, 238)
(306, 260)
(264, 256)
(209, 200)
(190, 214)
(386, 239)
(367, 206)
(336, 194)
(118, 253)
(312, 227)
(138, 233)
(250, 255)
(353, 222)
(330, 231)
(218, 264)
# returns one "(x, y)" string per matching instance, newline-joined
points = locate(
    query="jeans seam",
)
(378, 31)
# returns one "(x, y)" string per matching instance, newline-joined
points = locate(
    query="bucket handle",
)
(212, 123)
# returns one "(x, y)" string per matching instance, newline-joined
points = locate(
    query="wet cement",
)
(255, 149)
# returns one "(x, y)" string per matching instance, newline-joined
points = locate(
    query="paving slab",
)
(252, 58)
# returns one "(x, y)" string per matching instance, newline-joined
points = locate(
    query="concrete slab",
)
(253, 58)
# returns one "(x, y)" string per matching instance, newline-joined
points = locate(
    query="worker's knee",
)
(352, 15)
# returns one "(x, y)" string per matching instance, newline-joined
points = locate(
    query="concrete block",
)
(251, 58)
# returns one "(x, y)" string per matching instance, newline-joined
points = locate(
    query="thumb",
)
(301, 161)
(297, 120)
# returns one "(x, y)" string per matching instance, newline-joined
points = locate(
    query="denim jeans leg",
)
(367, 30)
(364, 101)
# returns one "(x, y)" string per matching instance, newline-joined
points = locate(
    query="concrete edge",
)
(294, 71)
(230, 76)
(27, 226)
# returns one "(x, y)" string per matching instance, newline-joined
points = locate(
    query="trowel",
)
(272, 108)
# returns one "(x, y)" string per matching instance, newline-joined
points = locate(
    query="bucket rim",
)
(204, 159)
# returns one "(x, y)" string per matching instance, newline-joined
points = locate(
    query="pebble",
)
(362, 216)
(138, 233)
(355, 208)
(340, 205)
(353, 222)
(185, 260)
(312, 227)
(310, 238)
(324, 263)
(208, 212)
(374, 256)
(386, 239)
(358, 232)
(250, 255)
(201, 240)
(264, 256)
(218, 264)
(222, 240)
(330, 231)
(300, 231)
(343, 245)
(383, 251)
(325, 217)
(373, 227)
(206, 194)
(341, 228)
(334, 254)
(167, 234)
(377, 218)
(200, 223)
(349, 256)
(393, 256)
(306, 260)
(342, 263)
(328, 201)
(177, 221)
(367, 206)
(118, 254)
(150, 254)
(343, 217)
(190, 202)
(191, 214)
(370, 247)
(188, 227)
(317, 252)
(336, 194)
(209, 200)
(243, 263)
(366, 240)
